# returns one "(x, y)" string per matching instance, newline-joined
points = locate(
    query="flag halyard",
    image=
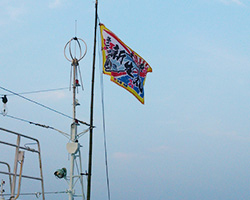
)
(124, 66)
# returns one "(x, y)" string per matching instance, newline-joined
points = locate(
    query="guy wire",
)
(37, 103)
(103, 114)
(38, 91)
(37, 124)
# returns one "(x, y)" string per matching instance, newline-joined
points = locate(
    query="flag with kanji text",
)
(125, 67)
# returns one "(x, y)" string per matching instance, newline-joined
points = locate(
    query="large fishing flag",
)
(125, 66)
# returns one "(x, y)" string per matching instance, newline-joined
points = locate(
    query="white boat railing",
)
(18, 163)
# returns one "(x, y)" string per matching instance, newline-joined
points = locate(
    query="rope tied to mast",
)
(44, 106)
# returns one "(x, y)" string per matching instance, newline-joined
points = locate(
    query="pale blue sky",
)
(190, 141)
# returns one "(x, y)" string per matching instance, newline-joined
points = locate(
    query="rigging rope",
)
(37, 103)
(36, 124)
(103, 113)
(38, 91)
(17, 118)
(37, 194)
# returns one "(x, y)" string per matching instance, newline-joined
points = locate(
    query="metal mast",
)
(73, 147)
(92, 108)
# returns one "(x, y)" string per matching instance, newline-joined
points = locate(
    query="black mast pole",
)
(91, 110)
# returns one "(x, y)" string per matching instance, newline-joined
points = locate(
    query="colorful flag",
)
(125, 66)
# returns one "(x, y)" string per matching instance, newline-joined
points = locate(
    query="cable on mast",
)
(37, 91)
(37, 103)
(37, 124)
(103, 120)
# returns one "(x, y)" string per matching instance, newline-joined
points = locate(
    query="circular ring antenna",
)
(81, 55)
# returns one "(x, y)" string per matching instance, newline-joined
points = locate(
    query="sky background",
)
(190, 141)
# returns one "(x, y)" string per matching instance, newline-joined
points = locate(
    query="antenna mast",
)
(73, 146)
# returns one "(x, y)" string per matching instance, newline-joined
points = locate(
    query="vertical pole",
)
(92, 110)
(40, 166)
(21, 160)
(74, 89)
(72, 158)
(81, 178)
(13, 188)
(73, 133)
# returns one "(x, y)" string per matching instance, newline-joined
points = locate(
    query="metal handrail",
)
(9, 173)
(15, 174)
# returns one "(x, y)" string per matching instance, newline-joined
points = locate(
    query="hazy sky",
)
(190, 141)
